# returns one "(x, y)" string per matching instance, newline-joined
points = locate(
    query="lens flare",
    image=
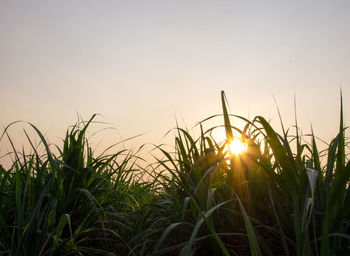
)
(237, 146)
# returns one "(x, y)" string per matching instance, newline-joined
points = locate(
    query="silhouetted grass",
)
(271, 199)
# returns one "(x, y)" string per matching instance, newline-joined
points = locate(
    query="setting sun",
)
(237, 146)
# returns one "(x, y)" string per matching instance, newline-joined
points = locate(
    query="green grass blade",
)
(229, 134)
(253, 240)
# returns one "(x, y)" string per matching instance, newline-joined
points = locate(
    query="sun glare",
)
(236, 146)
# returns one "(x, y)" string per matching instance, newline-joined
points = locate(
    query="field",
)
(267, 194)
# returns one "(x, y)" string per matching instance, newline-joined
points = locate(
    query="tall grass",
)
(72, 203)
(269, 200)
(275, 198)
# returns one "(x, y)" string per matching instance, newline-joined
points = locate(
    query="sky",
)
(142, 65)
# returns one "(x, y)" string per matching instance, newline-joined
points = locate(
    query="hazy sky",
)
(141, 63)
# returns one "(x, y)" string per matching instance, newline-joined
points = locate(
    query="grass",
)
(275, 198)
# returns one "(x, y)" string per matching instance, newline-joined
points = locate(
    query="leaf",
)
(229, 134)
(253, 241)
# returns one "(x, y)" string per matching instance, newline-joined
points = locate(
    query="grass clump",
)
(274, 198)
(268, 200)
(71, 203)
